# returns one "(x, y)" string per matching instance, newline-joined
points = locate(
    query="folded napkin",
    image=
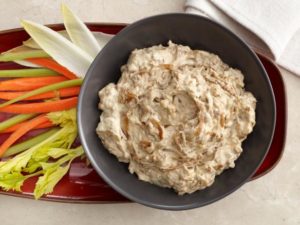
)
(270, 27)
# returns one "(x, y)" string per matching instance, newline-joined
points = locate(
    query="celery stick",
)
(18, 148)
(27, 73)
(51, 87)
(11, 56)
(14, 120)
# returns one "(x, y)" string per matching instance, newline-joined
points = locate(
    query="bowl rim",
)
(124, 192)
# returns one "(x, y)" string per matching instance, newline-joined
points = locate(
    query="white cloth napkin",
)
(270, 27)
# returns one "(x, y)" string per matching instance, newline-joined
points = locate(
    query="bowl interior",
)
(198, 33)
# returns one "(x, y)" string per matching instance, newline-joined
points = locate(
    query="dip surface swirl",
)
(177, 116)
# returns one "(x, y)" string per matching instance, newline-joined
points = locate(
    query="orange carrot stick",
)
(21, 131)
(28, 84)
(53, 65)
(65, 92)
(41, 107)
(17, 126)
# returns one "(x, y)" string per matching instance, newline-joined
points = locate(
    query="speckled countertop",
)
(273, 199)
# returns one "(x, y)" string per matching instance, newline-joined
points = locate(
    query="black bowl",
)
(198, 33)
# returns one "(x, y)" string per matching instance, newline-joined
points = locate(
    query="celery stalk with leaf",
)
(50, 159)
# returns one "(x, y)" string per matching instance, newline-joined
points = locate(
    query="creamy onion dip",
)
(178, 116)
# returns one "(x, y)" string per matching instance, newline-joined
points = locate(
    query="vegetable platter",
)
(41, 71)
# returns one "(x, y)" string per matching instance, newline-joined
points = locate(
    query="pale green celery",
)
(37, 152)
(41, 72)
(59, 48)
(11, 56)
(15, 120)
(14, 181)
(16, 149)
(53, 172)
(51, 87)
(38, 160)
(18, 50)
(63, 118)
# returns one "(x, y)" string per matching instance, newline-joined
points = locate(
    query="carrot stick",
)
(51, 87)
(53, 65)
(41, 107)
(65, 92)
(17, 126)
(27, 84)
(21, 131)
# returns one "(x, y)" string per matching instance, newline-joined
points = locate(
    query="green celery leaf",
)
(17, 163)
(47, 182)
(63, 118)
(12, 181)
(32, 166)
(39, 158)
(58, 152)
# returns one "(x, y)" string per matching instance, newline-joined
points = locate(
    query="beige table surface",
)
(273, 199)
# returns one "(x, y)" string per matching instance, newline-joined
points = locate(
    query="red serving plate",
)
(82, 183)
